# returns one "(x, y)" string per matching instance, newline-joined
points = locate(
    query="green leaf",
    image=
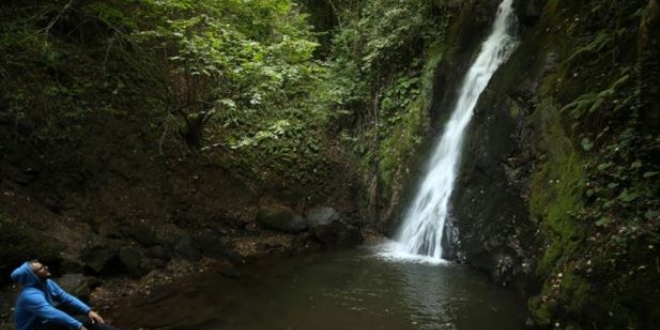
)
(587, 144)
(603, 221)
(650, 174)
(627, 196)
(228, 102)
(652, 215)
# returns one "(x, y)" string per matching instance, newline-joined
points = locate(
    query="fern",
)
(592, 101)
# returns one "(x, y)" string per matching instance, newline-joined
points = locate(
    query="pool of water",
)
(344, 290)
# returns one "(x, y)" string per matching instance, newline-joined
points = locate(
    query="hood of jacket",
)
(24, 276)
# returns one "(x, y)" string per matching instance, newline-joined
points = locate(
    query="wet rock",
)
(503, 272)
(327, 227)
(76, 284)
(150, 264)
(211, 243)
(337, 234)
(304, 243)
(158, 252)
(323, 215)
(488, 202)
(451, 243)
(130, 257)
(71, 266)
(281, 218)
(179, 243)
(142, 234)
(186, 248)
(529, 11)
(98, 253)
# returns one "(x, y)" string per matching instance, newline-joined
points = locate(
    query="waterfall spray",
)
(424, 222)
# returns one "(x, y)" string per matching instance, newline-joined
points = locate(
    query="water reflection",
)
(449, 296)
(425, 291)
(334, 291)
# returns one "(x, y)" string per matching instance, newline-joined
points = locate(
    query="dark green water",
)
(337, 291)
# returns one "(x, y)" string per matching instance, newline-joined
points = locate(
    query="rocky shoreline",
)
(111, 269)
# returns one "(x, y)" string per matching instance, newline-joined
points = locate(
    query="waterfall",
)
(423, 225)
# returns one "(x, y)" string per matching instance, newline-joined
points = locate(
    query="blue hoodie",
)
(36, 302)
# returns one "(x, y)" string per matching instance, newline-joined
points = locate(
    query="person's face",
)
(40, 270)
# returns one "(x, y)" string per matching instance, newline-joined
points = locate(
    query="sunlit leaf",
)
(603, 221)
(587, 144)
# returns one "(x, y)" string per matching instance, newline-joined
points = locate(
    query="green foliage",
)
(607, 238)
(384, 36)
(60, 79)
(228, 59)
(556, 189)
(586, 104)
(207, 73)
(621, 199)
(379, 82)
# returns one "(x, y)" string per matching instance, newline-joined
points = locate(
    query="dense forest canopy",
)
(229, 74)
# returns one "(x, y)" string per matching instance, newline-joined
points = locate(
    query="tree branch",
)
(54, 20)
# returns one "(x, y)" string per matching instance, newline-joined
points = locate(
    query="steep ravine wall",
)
(524, 201)
(467, 25)
(490, 201)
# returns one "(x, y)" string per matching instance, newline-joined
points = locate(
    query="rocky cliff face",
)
(491, 228)
(538, 204)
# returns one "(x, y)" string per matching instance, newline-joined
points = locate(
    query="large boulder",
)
(327, 227)
(98, 253)
(338, 234)
(131, 259)
(320, 216)
(76, 284)
(141, 233)
(211, 243)
(181, 244)
(281, 218)
(187, 248)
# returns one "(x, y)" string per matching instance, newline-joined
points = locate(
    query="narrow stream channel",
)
(344, 290)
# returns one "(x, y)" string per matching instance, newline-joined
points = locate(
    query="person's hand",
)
(82, 327)
(95, 318)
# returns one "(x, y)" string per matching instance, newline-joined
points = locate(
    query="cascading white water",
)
(422, 228)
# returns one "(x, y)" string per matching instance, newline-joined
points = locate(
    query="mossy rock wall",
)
(490, 221)
(553, 197)
(467, 24)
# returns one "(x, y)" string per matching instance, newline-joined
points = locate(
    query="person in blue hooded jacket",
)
(37, 304)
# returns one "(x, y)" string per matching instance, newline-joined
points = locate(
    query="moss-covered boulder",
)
(279, 217)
